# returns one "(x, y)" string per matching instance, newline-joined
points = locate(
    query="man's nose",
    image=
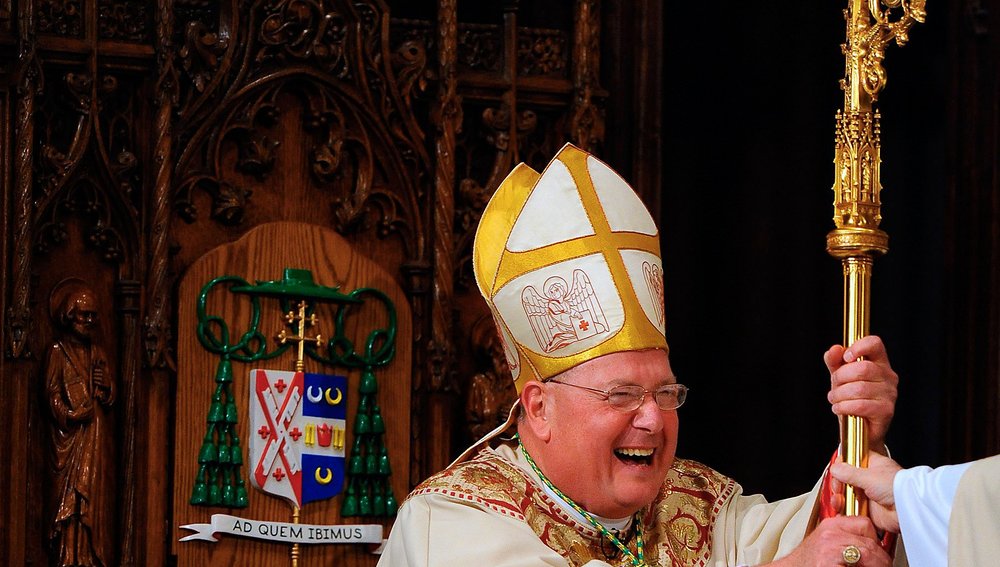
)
(648, 416)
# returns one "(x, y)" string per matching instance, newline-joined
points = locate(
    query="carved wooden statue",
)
(491, 391)
(79, 390)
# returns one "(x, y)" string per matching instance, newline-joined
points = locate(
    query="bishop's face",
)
(611, 462)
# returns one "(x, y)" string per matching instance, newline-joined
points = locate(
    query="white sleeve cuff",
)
(923, 504)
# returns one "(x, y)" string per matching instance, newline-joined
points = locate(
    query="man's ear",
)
(536, 405)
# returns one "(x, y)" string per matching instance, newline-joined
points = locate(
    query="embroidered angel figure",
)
(654, 281)
(564, 315)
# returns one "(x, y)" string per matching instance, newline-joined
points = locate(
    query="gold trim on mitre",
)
(569, 262)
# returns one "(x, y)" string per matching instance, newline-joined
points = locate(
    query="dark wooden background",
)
(137, 136)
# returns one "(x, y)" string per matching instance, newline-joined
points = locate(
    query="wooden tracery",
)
(143, 135)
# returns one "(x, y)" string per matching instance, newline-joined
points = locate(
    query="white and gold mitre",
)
(569, 263)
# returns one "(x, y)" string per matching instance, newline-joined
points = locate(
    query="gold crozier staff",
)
(856, 240)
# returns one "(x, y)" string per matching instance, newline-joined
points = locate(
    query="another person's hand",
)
(865, 388)
(876, 481)
(826, 544)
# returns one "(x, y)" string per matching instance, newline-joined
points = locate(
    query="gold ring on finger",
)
(851, 554)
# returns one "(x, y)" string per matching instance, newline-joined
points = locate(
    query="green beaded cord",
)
(369, 492)
(218, 482)
(638, 561)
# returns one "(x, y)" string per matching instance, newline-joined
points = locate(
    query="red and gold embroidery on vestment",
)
(677, 526)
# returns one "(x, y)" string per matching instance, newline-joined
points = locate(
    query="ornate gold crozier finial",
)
(857, 186)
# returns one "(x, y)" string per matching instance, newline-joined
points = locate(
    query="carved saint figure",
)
(491, 393)
(79, 390)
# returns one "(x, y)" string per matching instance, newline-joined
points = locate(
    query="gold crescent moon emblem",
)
(312, 398)
(325, 479)
(334, 401)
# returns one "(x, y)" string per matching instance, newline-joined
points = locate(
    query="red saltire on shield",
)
(297, 434)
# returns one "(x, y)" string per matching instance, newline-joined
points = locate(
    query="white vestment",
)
(950, 515)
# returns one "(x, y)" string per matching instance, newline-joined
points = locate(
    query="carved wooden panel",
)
(139, 136)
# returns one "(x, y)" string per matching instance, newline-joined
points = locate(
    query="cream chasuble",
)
(974, 528)
(494, 511)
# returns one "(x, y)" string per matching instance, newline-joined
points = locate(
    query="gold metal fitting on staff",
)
(857, 185)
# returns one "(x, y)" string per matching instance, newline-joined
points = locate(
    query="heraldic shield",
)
(297, 434)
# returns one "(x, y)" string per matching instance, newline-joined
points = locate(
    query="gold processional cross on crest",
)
(300, 321)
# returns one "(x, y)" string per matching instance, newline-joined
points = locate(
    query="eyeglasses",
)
(629, 398)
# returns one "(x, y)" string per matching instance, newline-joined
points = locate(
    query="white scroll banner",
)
(284, 531)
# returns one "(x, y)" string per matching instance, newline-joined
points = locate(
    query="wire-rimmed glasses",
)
(630, 397)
